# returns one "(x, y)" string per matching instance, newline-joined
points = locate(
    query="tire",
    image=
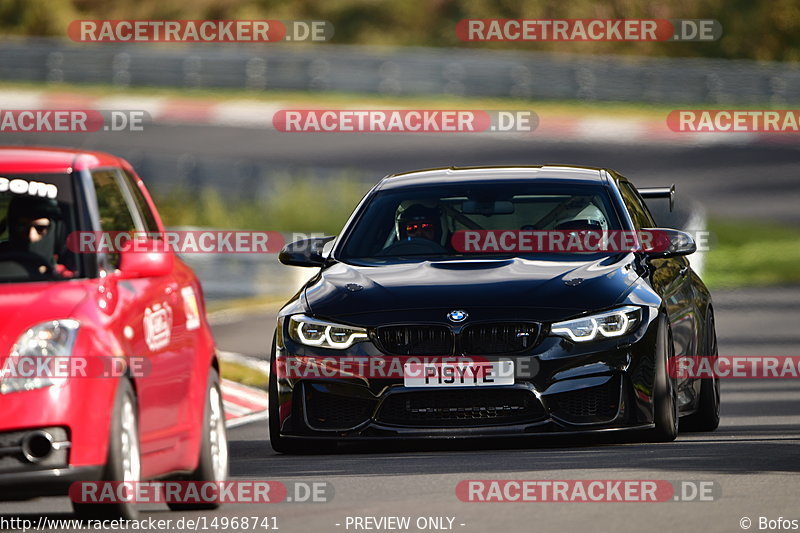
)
(665, 395)
(213, 462)
(706, 418)
(123, 462)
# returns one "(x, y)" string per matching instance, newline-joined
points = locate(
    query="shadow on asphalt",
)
(745, 450)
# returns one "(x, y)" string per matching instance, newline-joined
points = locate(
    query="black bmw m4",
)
(436, 313)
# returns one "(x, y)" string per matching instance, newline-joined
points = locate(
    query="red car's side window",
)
(114, 209)
(148, 219)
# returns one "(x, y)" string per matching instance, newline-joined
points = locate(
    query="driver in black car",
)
(419, 222)
(32, 226)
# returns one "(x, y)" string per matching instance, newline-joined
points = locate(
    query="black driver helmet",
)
(419, 221)
(22, 212)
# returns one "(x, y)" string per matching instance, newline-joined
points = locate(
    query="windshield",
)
(37, 212)
(420, 223)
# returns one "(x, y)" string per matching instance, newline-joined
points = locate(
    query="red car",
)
(157, 410)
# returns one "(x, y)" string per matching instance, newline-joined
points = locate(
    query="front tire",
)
(123, 462)
(665, 395)
(213, 463)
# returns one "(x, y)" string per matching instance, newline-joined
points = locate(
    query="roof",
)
(450, 175)
(19, 159)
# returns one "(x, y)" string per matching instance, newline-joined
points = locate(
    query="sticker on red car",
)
(157, 326)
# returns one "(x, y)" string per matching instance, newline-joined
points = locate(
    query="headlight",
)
(313, 332)
(609, 324)
(48, 339)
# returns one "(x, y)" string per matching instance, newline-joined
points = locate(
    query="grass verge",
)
(752, 253)
(303, 205)
(243, 374)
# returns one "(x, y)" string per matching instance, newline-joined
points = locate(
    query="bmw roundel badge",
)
(457, 315)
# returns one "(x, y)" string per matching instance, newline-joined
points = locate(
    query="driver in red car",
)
(33, 229)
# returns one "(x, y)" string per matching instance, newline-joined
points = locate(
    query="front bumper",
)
(35, 462)
(77, 418)
(82, 407)
(562, 388)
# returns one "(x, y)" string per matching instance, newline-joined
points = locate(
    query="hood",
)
(23, 305)
(486, 289)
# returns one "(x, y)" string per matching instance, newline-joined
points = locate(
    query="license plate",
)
(458, 374)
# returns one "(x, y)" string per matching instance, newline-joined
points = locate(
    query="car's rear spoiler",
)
(659, 192)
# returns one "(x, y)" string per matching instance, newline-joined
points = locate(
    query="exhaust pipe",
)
(37, 446)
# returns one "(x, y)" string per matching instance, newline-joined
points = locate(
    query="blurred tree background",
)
(752, 29)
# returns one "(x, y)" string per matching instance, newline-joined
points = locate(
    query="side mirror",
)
(305, 253)
(145, 262)
(667, 243)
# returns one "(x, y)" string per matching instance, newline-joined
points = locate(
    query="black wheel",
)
(706, 418)
(665, 394)
(213, 462)
(124, 460)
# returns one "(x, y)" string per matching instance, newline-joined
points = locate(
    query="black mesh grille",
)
(500, 338)
(460, 408)
(586, 405)
(416, 340)
(333, 411)
(477, 339)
